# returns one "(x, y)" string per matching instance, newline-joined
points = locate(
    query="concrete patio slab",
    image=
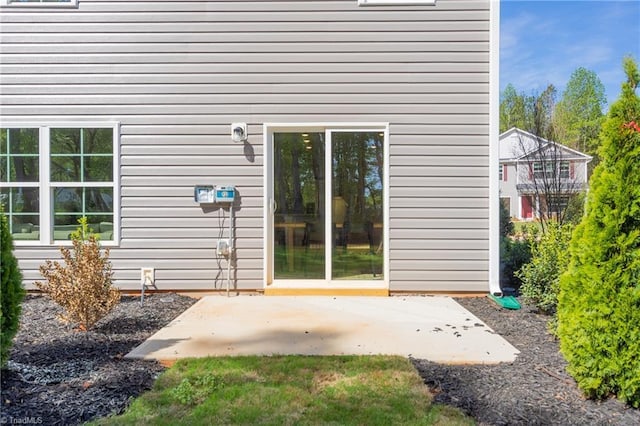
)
(436, 328)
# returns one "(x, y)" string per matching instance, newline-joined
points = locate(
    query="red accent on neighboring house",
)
(530, 172)
(572, 170)
(527, 210)
(504, 172)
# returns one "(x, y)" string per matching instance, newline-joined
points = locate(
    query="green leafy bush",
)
(599, 300)
(515, 250)
(12, 291)
(514, 253)
(540, 277)
(575, 209)
(83, 285)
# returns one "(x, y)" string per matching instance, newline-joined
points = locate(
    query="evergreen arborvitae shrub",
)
(599, 299)
(12, 291)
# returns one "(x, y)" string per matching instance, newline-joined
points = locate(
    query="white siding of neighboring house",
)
(175, 74)
(508, 188)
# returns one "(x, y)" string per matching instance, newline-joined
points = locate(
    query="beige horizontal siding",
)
(175, 74)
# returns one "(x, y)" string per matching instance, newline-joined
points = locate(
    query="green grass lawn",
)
(288, 390)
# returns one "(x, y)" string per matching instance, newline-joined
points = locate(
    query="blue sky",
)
(543, 41)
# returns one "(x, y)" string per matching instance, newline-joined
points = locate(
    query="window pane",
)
(299, 222)
(67, 200)
(23, 141)
(72, 203)
(98, 169)
(65, 141)
(19, 155)
(25, 200)
(23, 169)
(99, 200)
(98, 141)
(66, 169)
(21, 205)
(357, 205)
(25, 227)
(64, 225)
(82, 155)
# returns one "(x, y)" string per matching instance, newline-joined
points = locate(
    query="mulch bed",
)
(59, 376)
(534, 390)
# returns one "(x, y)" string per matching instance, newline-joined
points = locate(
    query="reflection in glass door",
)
(328, 205)
(299, 194)
(357, 205)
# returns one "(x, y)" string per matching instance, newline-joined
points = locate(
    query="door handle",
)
(273, 206)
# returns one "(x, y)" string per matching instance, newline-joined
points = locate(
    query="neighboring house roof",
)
(517, 144)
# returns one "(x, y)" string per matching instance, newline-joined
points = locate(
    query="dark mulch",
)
(59, 376)
(534, 390)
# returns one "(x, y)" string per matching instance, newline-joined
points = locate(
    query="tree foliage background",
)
(575, 120)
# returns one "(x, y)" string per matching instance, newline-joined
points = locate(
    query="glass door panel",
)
(357, 205)
(299, 194)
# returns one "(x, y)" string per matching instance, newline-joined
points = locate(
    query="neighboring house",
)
(357, 134)
(532, 168)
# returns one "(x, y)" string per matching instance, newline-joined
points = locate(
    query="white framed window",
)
(54, 175)
(538, 172)
(544, 170)
(39, 3)
(396, 2)
(564, 170)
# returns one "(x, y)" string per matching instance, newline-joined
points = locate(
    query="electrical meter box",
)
(204, 194)
(225, 194)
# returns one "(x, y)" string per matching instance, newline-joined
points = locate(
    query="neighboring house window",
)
(39, 3)
(543, 170)
(500, 173)
(538, 172)
(45, 197)
(564, 170)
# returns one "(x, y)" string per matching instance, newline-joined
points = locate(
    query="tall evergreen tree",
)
(599, 300)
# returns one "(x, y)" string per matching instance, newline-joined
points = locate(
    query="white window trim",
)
(68, 4)
(46, 220)
(396, 2)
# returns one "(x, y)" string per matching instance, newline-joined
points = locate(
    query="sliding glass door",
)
(327, 205)
(357, 206)
(299, 200)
